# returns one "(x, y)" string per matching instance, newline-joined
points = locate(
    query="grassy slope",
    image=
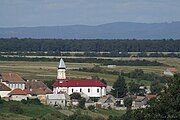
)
(29, 111)
(103, 113)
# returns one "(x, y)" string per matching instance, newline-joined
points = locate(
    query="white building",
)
(18, 95)
(12, 80)
(92, 88)
(170, 71)
(61, 99)
(4, 90)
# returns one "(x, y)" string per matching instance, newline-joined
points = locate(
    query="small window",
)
(80, 90)
(72, 90)
(88, 90)
(97, 90)
(62, 101)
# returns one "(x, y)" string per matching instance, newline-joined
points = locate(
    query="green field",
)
(47, 70)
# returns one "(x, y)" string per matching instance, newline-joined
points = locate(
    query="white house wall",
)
(4, 93)
(16, 85)
(18, 97)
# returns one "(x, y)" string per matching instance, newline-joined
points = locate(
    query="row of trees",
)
(28, 44)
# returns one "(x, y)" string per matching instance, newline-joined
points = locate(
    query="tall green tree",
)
(119, 87)
(128, 103)
(156, 87)
(134, 88)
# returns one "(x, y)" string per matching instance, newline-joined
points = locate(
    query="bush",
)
(91, 107)
(75, 96)
(82, 103)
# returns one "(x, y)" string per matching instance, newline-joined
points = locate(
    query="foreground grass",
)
(12, 116)
(29, 111)
(102, 113)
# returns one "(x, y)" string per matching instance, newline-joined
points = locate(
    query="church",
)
(91, 88)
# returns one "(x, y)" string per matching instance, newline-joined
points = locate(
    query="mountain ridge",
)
(115, 30)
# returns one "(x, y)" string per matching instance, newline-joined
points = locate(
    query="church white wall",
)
(89, 91)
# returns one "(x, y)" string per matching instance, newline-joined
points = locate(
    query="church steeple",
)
(61, 71)
(61, 64)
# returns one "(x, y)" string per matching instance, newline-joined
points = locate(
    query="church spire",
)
(61, 71)
(61, 64)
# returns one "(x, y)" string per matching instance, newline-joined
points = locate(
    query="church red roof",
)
(78, 83)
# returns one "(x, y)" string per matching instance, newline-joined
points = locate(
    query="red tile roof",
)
(172, 70)
(12, 77)
(78, 83)
(149, 97)
(17, 92)
(27, 91)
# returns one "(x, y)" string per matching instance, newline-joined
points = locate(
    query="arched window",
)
(98, 90)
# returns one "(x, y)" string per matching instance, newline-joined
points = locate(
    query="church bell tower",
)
(61, 71)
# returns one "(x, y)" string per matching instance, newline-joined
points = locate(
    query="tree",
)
(75, 96)
(119, 87)
(137, 73)
(134, 88)
(82, 103)
(103, 81)
(91, 107)
(128, 103)
(155, 87)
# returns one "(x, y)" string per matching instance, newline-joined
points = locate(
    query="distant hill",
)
(117, 30)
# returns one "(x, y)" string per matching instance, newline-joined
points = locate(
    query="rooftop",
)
(3, 87)
(11, 77)
(17, 91)
(78, 83)
(61, 64)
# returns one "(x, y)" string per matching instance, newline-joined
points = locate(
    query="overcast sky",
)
(87, 12)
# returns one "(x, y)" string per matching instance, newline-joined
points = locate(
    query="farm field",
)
(47, 70)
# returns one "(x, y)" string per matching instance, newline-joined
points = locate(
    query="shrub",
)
(91, 107)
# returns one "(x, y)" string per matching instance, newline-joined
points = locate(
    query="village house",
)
(60, 99)
(39, 89)
(170, 71)
(4, 90)
(18, 95)
(139, 102)
(106, 102)
(89, 102)
(12, 80)
(150, 97)
(119, 102)
(92, 88)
